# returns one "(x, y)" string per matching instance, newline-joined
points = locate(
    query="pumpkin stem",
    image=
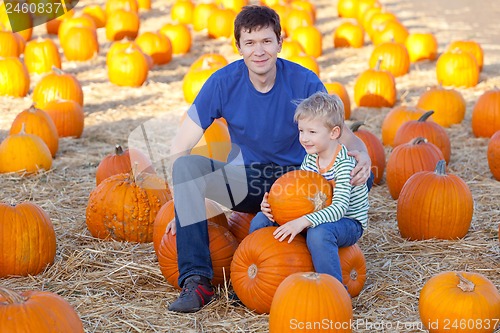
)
(252, 271)
(379, 62)
(441, 168)
(355, 126)
(425, 116)
(11, 296)
(23, 128)
(57, 70)
(118, 150)
(311, 275)
(319, 200)
(353, 275)
(418, 140)
(465, 285)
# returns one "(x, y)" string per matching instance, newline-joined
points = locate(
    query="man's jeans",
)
(195, 178)
(323, 241)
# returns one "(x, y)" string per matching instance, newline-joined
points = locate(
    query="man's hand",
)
(361, 172)
(171, 227)
(265, 207)
(292, 229)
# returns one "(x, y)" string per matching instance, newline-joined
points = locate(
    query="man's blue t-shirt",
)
(260, 124)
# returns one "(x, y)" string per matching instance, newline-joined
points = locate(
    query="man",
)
(256, 96)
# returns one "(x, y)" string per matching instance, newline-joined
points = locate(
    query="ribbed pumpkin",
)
(122, 161)
(215, 214)
(297, 193)
(37, 311)
(378, 21)
(310, 38)
(239, 224)
(427, 129)
(307, 298)
(37, 122)
(24, 152)
(156, 45)
(448, 105)
(222, 245)
(457, 68)
(14, 77)
(375, 88)
(408, 159)
(80, 44)
(486, 114)
(9, 46)
(124, 207)
(27, 232)
(459, 302)
(338, 89)
(353, 264)
(76, 22)
(472, 47)
(179, 36)
(122, 24)
(349, 34)
(119, 46)
(392, 57)
(494, 155)
(40, 55)
(434, 204)
(68, 117)
(128, 68)
(421, 46)
(57, 85)
(261, 263)
(221, 23)
(395, 118)
(375, 150)
(391, 31)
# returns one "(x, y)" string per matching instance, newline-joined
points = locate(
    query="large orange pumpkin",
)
(375, 150)
(222, 245)
(392, 57)
(308, 298)
(40, 55)
(427, 129)
(57, 85)
(421, 46)
(261, 263)
(395, 118)
(375, 88)
(494, 155)
(37, 311)
(448, 105)
(408, 159)
(124, 207)
(486, 114)
(27, 232)
(473, 47)
(353, 264)
(434, 204)
(129, 68)
(297, 193)
(459, 302)
(457, 68)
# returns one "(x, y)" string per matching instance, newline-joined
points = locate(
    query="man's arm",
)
(357, 149)
(186, 138)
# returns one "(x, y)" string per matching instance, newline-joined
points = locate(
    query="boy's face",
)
(315, 137)
(260, 49)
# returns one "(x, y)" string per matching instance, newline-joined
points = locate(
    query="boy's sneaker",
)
(196, 293)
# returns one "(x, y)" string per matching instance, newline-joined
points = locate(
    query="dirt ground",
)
(118, 287)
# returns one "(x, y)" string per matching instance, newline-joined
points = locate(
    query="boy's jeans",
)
(323, 241)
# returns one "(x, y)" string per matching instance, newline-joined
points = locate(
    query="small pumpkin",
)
(375, 150)
(408, 159)
(395, 118)
(426, 129)
(353, 264)
(306, 61)
(68, 117)
(122, 24)
(73, 22)
(122, 161)
(347, 8)
(97, 14)
(40, 55)
(434, 204)
(323, 296)
(199, 72)
(392, 57)
(201, 14)
(494, 155)
(375, 88)
(157, 46)
(465, 300)
(28, 233)
(457, 68)
(8, 45)
(448, 105)
(338, 89)
(123, 207)
(182, 11)
(261, 263)
(296, 17)
(14, 77)
(221, 23)
(80, 44)
(57, 85)
(297, 193)
(421, 46)
(222, 246)
(114, 5)
(486, 114)
(37, 311)
(290, 48)
(391, 31)
(473, 47)
(179, 36)
(349, 34)
(128, 68)
(310, 38)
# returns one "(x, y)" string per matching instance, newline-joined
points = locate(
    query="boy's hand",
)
(265, 207)
(292, 229)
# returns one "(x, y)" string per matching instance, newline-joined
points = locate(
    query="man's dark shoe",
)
(196, 293)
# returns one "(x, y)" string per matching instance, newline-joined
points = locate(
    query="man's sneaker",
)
(196, 293)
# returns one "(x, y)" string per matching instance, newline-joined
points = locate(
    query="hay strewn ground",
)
(118, 287)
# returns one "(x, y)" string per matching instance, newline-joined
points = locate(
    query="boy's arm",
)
(357, 149)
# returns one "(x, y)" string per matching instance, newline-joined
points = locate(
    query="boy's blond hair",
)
(322, 105)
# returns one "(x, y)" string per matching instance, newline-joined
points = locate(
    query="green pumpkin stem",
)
(355, 126)
(426, 116)
(464, 284)
(440, 168)
(11, 296)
